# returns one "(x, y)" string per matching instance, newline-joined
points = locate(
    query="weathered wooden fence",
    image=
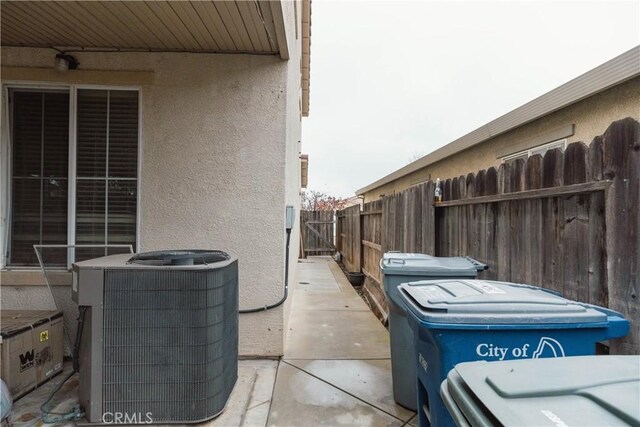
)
(566, 221)
(317, 233)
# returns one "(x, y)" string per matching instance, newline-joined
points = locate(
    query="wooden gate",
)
(317, 234)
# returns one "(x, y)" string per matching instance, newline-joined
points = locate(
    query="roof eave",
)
(305, 63)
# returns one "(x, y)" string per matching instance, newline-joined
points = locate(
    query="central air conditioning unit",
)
(160, 336)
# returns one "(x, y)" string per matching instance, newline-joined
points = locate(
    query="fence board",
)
(595, 159)
(428, 218)
(372, 248)
(632, 290)
(576, 210)
(621, 159)
(533, 181)
(597, 269)
(503, 183)
(463, 237)
(399, 232)
(349, 237)
(491, 242)
(516, 224)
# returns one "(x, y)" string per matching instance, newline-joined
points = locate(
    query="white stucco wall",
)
(219, 133)
(292, 15)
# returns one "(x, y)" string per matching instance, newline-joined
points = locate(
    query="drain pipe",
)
(290, 221)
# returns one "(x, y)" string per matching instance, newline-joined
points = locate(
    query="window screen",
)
(106, 169)
(542, 150)
(40, 164)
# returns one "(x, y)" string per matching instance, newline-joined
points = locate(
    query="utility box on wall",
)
(31, 348)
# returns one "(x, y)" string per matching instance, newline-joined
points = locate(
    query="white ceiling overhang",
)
(211, 26)
(181, 26)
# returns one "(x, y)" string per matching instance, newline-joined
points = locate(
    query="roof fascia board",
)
(281, 30)
(306, 55)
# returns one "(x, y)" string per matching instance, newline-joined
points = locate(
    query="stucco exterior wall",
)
(218, 137)
(590, 116)
(293, 15)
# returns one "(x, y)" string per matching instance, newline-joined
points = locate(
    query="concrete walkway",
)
(336, 369)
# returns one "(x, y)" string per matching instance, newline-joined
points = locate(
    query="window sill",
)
(34, 278)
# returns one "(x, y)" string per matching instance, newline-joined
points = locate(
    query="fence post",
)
(357, 222)
(428, 219)
(338, 215)
(360, 244)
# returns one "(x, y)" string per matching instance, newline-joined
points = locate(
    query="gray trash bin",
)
(593, 390)
(399, 268)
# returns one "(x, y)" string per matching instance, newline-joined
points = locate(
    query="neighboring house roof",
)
(213, 26)
(614, 72)
(353, 201)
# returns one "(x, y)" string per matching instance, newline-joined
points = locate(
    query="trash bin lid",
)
(487, 302)
(408, 264)
(602, 389)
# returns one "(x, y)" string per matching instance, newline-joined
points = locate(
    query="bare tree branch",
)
(318, 201)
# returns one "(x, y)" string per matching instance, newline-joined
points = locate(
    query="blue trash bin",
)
(397, 268)
(466, 320)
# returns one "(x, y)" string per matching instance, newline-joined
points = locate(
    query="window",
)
(541, 150)
(39, 181)
(106, 165)
(99, 206)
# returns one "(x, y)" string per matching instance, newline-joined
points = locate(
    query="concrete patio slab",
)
(317, 334)
(26, 411)
(248, 404)
(303, 400)
(367, 380)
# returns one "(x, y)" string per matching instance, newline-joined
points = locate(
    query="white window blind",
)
(39, 184)
(106, 169)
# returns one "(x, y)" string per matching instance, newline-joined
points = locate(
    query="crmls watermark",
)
(126, 418)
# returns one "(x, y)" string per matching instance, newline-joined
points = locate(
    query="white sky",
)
(390, 79)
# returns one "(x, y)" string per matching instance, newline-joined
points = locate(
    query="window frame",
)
(6, 163)
(528, 152)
